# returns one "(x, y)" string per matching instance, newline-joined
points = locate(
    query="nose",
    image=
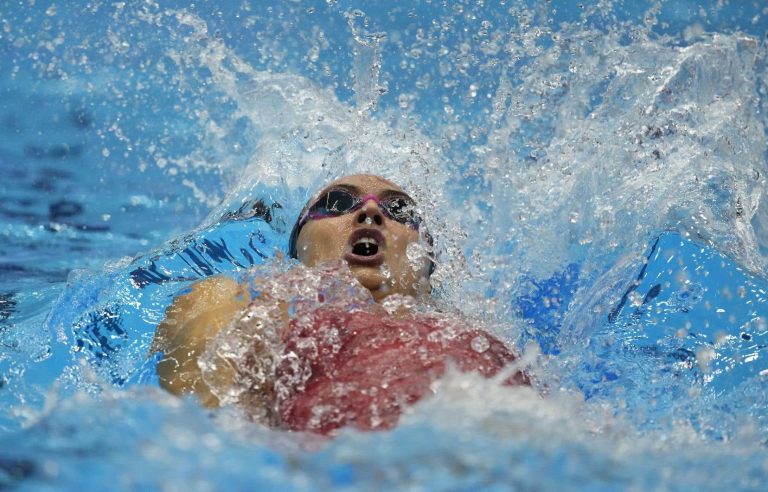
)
(370, 214)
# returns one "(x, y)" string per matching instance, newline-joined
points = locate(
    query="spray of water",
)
(533, 141)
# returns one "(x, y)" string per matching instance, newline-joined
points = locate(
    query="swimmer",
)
(327, 366)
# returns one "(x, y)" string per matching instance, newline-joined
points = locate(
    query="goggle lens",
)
(339, 202)
(402, 210)
(333, 203)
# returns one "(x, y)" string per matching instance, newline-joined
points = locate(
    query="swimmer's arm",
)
(192, 320)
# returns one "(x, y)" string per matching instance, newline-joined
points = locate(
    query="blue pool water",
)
(594, 174)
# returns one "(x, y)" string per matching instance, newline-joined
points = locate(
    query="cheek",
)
(402, 241)
(322, 240)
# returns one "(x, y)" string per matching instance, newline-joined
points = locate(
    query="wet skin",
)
(331, 239)
(197, 316)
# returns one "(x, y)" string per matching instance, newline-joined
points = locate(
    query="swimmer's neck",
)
(382, 293)
(400, 305)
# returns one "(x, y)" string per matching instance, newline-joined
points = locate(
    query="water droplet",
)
(704, 357)
(480, 344)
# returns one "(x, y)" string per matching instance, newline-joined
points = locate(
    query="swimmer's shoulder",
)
(200, 309)
(193, 318)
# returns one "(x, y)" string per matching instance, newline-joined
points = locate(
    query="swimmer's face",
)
(368, 239)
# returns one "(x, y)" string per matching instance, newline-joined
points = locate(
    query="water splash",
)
(542, 142)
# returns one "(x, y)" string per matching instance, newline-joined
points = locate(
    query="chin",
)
(371, 277)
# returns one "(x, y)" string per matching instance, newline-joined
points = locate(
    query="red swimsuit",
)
(362, 369)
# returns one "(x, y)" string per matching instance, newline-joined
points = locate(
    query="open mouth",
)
(366, 248)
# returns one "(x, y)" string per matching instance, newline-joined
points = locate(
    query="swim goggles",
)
(336, 202)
